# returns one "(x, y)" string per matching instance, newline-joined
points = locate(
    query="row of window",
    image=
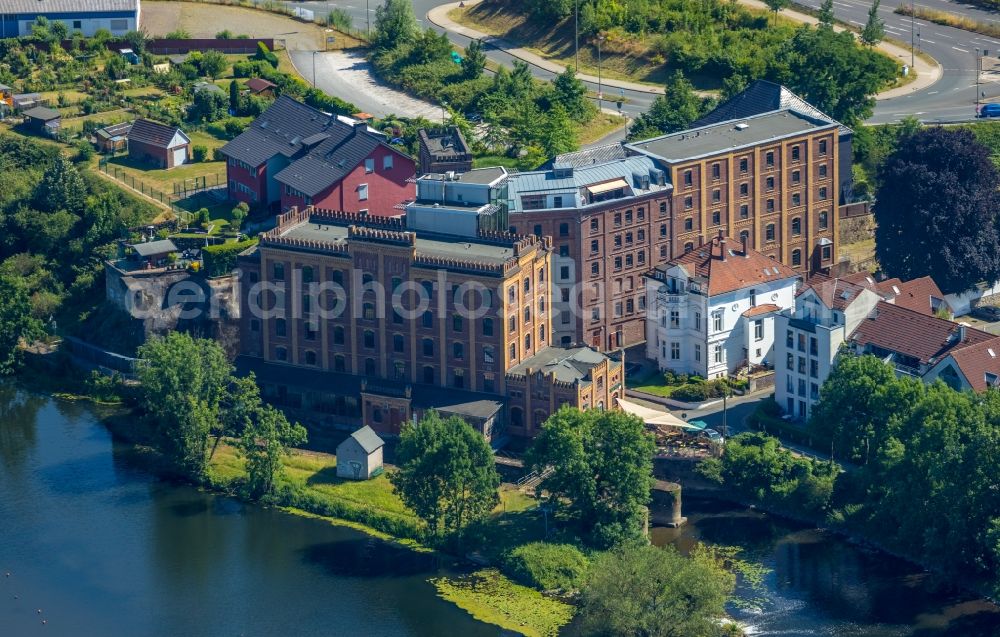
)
(339, 332)
(822, 194)
(744, 162)
(370, 164)
(791, 360)
(790, 386)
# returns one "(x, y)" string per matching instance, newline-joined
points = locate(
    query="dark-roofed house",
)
(114, 138)
(43, 120)
(80, 16)
(711, 311)
(154, 253)
(359, 457)
(294, 156)
(158, 144)
(444, 151)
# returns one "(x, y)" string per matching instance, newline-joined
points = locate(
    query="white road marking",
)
(860, 24)
(962, 50)
(933, 92)
(929, 41)
(941, 35)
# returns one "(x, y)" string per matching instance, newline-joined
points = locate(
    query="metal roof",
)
(730, 135)
(761, 96)
(151, 248)
(67, 6)
(546, 181)
(42, 113)
(368, 439)
(566, 364)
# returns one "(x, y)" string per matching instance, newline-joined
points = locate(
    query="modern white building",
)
(83, 16)
(711, 311)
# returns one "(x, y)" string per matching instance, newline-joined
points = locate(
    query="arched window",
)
(796, 227)
(769, 232)
(280, 328)
(370, 367)
(310, 357)
(796, 257)
(370, 339)
(516, 417)
(429, 375)
(487, 327)
(398, 343)
(281, 353)
(338, 335)
(457, 351)
(428, 347)
(307, 274)
(689, 246)
(339, 364)
(513, 351)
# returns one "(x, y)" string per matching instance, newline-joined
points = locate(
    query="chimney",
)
(745, 238)
(701, 240)
(360, 127)
(722, 245)
(961, 333)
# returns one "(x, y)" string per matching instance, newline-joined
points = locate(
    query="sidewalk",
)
(927, 74)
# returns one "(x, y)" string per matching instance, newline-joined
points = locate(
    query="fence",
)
(182, 190)
(229, 46)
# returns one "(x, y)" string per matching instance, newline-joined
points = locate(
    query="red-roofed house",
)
(833, 315)
(711, 311)
(975, 366)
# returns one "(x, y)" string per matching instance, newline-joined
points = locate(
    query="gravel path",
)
(205, 20)
(348, 75)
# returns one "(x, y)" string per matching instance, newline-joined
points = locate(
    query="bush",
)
(220, 260)
(547, 566)
(199, 153)
(264, 53)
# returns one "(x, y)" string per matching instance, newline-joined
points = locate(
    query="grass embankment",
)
(944, 18)
(490, 597)
(310, 487)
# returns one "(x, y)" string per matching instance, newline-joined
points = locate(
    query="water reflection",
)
(18, 413)
(368, 557)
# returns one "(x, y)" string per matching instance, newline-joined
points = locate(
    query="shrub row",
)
(221, 259)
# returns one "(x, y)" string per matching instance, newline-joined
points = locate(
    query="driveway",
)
(348, 75)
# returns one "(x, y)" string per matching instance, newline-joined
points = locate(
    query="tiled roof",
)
(75, 7)
(728, 268)
(760, 310)
(835, 294)
(923, 337)
(977, 360)
(920, 295)
(565, 364)
(152, 133)
(322, 148)
(258, 84)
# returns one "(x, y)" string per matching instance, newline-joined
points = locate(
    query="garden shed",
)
(360, 456)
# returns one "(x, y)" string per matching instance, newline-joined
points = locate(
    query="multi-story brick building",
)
(295, 155)
(371, 322)
(609, 219)
(769, 176)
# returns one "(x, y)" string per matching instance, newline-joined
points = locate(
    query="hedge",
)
(547, 566)
(220, 259)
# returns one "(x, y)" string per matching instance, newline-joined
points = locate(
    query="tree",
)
(234, 98)
(117, 67)
(212, 63)
(16, 321)
(675, 110)
(239, 214)
(395, 24)
(859, 403)
(474, 60)
(776, 6)
(830, 71)
(183, 382)
(602, 465)
(208, 106)
(446, 473)
(874, 30)
(61, 187)
(557, 134)
(645, 591)
(267, 435)
(936, 210)
(571, 94)
(826, 14)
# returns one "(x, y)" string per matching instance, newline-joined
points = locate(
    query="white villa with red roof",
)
(711, 310)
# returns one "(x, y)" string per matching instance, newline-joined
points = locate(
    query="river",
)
(102, 548)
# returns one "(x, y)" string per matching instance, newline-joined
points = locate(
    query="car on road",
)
(987, 313)
(990, 110)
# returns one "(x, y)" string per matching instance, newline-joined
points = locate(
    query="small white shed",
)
(360, 456)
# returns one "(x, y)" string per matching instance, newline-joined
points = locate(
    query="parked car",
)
(990, 110)
(987, 313)
(711, 435)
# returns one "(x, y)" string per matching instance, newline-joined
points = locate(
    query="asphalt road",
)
(952, 98)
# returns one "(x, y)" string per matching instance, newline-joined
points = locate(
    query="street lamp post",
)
(912, 29)
(576, 34)
(368, 18)
(977, 79)
(600, 89)
(314, 68)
